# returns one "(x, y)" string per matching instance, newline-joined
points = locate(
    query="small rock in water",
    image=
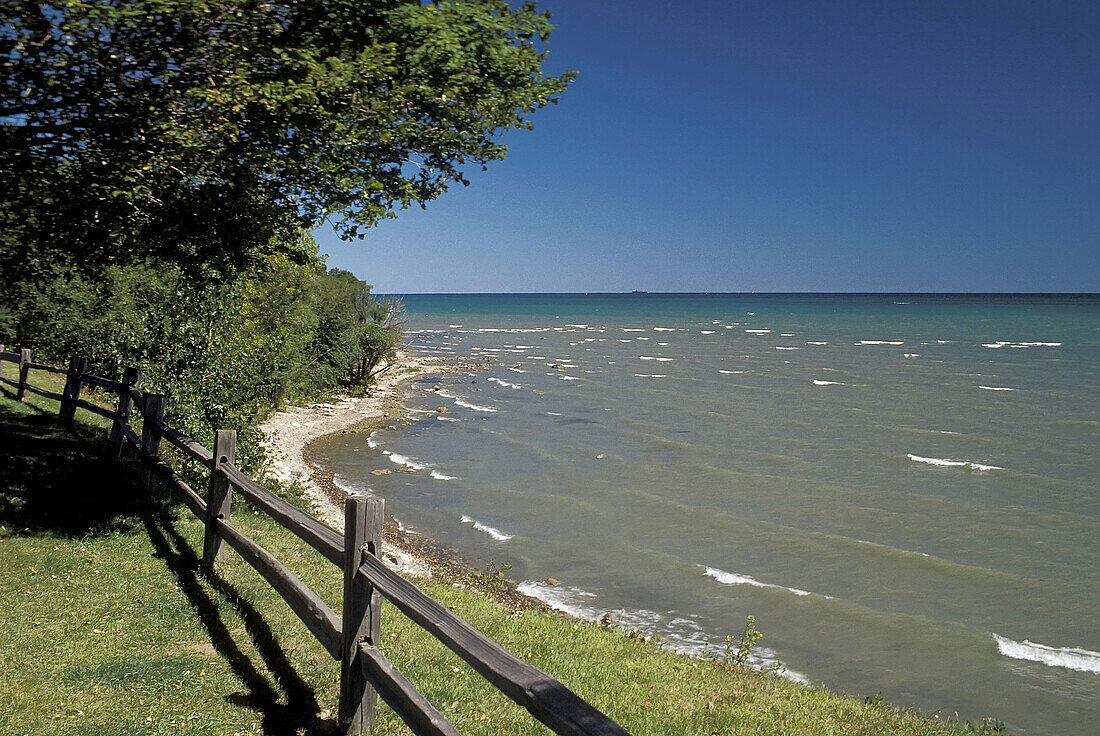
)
(381, 471)
(442, 409)
(553, 581)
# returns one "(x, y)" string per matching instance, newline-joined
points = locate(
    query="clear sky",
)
(782, 146)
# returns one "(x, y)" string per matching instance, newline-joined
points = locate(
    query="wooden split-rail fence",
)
(351, 637)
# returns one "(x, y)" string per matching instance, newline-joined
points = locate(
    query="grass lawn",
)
(110, 629)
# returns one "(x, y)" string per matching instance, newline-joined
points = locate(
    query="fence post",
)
(363, 519)
(152, 408)
(67, 412)
(131, 377)
(219, 497)
(24, 369)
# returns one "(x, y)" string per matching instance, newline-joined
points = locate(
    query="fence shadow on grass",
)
(55, 481)
(300, 710)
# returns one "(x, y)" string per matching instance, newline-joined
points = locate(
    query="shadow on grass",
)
(57, 480)
(300, 711)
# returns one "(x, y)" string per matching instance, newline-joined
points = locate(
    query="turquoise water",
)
(901, 488)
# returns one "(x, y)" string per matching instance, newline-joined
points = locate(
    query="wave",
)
(784, 347)
(1073, 658)
(371, 442)
(633, 329)
(819, 382)
(473, 407)
(881, 342)
(706, 332)
(1006, 343)
(680, 633)
(758, 332)
(441, 476)
(664, 329)
(496, 534)
(729, 372)
(502, 382)
(996, 388)
(911, 355)
(947, 463)
(731, 578)
(570, 378)
(406, 461)
(448, 419)
(651, 375)
(816, 342)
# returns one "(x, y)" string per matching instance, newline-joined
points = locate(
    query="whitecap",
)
(784, 347)
(517, 370)
(496, 534)
(633, 329)
(1073, 658)
(816, 342)
(818, 382)
(911, 355)
(406, 461)
(881, 342)
(996, 388)
(554, 413)
(948, 463)
(730, 578)
(440, 476)
(371, 442)
(758, 332)
(474, 407)
(664, 329)
(1042, 344)
(570, 378)
(448, 419)
(650, 375)
(502, 382)
(729, 372)
(706, 332)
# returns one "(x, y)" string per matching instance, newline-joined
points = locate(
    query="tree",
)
(208, 133)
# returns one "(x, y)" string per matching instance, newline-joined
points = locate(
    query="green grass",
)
(111, 630)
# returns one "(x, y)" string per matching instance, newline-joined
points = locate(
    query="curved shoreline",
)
(291, 438)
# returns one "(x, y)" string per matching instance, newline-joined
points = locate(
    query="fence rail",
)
(351, 637)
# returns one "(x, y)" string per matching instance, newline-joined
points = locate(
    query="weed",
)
(739, 650)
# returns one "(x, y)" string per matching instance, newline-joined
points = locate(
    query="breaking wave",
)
(496, 534)
(948, 463)
(731, 578)
(1072, 658)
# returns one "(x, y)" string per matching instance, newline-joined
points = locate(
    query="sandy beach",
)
(288, 434)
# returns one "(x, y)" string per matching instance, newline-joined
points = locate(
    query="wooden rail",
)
(354, 636)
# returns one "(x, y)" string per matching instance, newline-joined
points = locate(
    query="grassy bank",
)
(110, 629)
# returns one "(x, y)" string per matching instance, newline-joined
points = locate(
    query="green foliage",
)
(206, 133)
(226, 353)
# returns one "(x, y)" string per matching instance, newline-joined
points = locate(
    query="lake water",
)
(901, 488)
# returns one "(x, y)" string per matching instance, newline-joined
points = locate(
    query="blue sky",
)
(782, 146)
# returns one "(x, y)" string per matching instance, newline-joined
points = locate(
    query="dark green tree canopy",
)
(199, 132)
